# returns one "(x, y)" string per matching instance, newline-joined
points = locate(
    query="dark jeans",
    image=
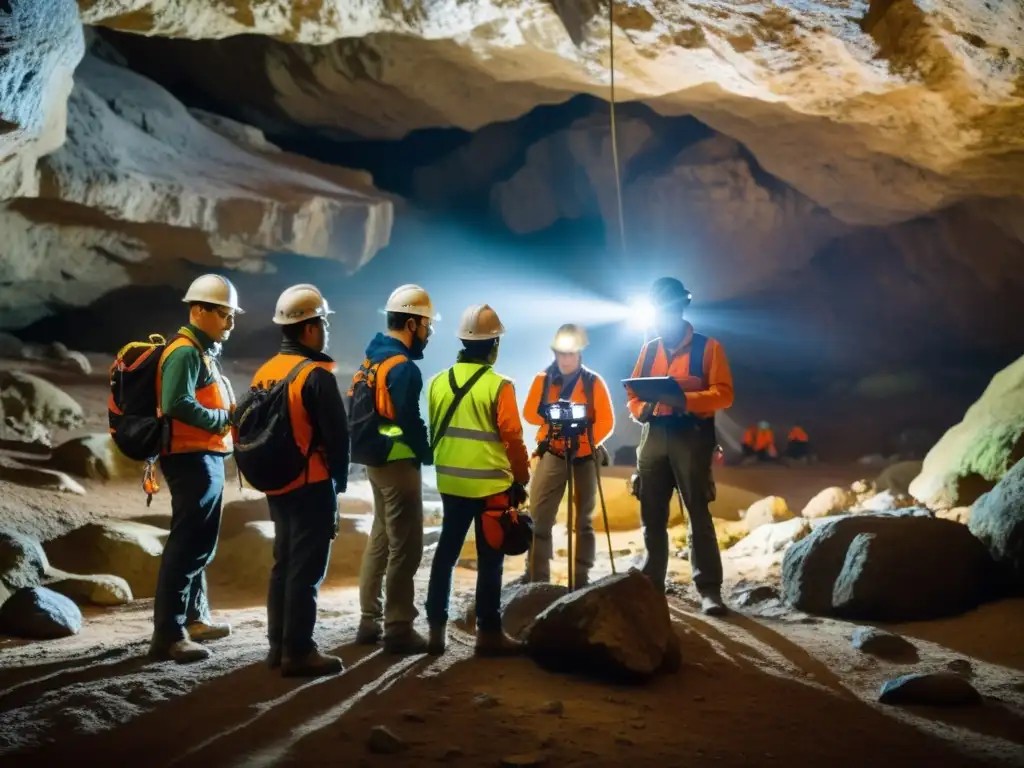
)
(798, 449)
(671, 458)
(305, 523)
(196, 483)
(459, 514)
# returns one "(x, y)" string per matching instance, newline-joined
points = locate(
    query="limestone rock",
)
(845, 567)
(101, 589)
(997, 519)
(126, 549)
(770, 541)
(618, 627)
(43, 44)
(886, 645)
(96, 457)
(831, 501)
(975, 454)
(825, 98)
(36, 477)
(935, 689)
(896, 478)
(22, 560)
(58, 355)
(40, 614)
(886, 501)
(384, 741)
(11, 347)
(31, 406)
(772, 509)
(521, 604)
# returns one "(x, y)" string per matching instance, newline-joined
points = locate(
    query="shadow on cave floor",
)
(749, 691)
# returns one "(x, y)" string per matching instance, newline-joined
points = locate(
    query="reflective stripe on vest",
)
(470, 458)
(376, 377)
(276, 369)
(183, 437)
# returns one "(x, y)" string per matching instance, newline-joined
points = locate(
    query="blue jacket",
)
(404, 383)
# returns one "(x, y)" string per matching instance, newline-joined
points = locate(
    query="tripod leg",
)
(569, 519)
(604, 511)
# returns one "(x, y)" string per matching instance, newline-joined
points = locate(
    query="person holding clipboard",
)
(680, 380)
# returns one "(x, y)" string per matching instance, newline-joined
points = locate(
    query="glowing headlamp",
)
(564, 412)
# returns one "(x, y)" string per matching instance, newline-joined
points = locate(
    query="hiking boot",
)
(496, 643)
(182, 651)
(438, 639)
(313, 664)
(201, 631)
(711, 604)
(369, 632)
(274, 657)
(405, 642)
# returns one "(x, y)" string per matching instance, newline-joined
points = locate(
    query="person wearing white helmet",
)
(481, 464)
(390, 439)
(759, 443)
(566, 378)
(304, 507)
(196, 403)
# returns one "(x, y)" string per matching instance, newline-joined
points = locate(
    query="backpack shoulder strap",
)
(697, 347)
(588, 387)
(542, 406)
(460, 392)
(650, 353)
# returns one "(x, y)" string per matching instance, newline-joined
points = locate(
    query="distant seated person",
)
(759, 443)
(798, 445)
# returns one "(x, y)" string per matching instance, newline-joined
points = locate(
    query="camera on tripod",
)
(567, 419)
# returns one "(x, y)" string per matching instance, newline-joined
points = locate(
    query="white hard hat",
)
(410, 299)
(480, 323)
(763, 425)
(570, 338)
(299, 303)
(213, 289)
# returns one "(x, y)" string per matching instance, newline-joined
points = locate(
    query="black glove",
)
(517, 494)
(646, 413)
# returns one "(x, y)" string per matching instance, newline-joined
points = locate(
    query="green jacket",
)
(183, 372)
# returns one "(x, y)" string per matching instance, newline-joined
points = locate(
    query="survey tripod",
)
(568, 421)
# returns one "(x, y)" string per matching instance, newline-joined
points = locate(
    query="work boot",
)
(183, 651)
(369, 632)
(202, 631)
(313, 664)
(405, 642)
(438, 639)
(711, 603)
(496, 642)
(274, 657)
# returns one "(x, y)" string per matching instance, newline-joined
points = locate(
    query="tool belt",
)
(545, 447)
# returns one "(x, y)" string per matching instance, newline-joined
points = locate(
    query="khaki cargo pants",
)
(395, 548)
(547, 487)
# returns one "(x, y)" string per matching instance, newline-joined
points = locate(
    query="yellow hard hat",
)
(570, 338)
(411, 299)
(300, 303)
(479, 323)
(213, 289)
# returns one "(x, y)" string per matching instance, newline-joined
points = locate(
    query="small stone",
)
(443, 701)
(452, 753)
(412, 716)
(485, 701)
(961, 667)
(937, 689)
(756, 595)
(886, 645)
(383, 741)
(624, 741)
(553, 708)
(528, 760)
(638, 725)
(548, 742)
(698, 698)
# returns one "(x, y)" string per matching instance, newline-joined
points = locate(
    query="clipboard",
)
(657, 389)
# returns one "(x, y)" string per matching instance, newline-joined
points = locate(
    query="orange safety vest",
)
(690, 374)
(275, 369)
(759, 439)
(797, 435)
(183, 437)
(580, 394)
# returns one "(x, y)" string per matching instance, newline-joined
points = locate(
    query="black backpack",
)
(266, 453)
(136, 429)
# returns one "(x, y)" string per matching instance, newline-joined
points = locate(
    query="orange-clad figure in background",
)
(759, 442)
(798, 445)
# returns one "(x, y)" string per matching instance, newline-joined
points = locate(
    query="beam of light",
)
(640, 314)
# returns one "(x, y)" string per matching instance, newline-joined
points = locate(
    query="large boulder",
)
(30, 407)
(22, 560)
(521, 603)
(618, 627)
(975, 454)
(99, 589)
(887, 568)
(39, 613)
(997, 519)
(38, 477)
(94, 456)
(123, 548)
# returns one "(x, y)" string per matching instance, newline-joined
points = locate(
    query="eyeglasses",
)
(224, 314)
